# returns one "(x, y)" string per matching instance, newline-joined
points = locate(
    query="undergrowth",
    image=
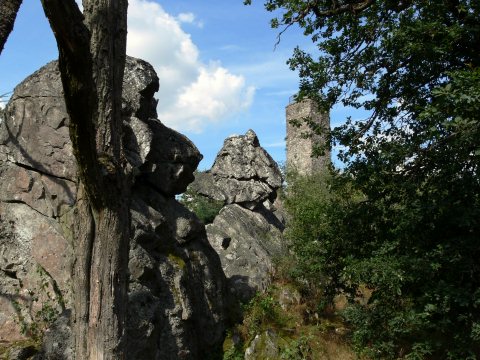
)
(288, 311)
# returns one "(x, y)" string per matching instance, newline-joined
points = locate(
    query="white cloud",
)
(186, 17)
(192, 94)
(232, 47)
(214, 95)
(189, 18)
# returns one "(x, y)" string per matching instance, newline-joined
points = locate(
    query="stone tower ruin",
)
(301, 140)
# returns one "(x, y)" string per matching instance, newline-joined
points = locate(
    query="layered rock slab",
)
(247, 232)
(248, 241)
(176, 288)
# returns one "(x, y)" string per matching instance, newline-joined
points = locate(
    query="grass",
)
(291, 313)
(6, 347)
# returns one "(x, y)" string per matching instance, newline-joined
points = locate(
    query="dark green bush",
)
(414, 247)
(206, 209)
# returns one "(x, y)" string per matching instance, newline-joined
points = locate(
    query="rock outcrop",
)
(247, 233)
(243, 173)
(176, 288)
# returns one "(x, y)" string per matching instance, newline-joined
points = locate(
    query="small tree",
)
(92, 51)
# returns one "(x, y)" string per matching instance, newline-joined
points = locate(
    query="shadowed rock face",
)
(176, 288)
(247, 233)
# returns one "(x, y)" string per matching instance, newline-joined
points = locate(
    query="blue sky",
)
(219, 72)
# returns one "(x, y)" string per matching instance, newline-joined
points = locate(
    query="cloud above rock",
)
(192, 94)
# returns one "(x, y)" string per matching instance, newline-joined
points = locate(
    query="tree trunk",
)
(8, 14)
(92, 50)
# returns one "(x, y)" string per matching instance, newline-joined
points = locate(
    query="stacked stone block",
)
(301, 139)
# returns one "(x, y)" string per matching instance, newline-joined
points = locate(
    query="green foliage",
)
(291, 323)
(297, 349)
(391, 49)
(416, 254)
(402, 219)
(234, 353)
(205, 208)
(316, 205)
(261, 312)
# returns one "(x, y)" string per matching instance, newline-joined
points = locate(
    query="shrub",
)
(205, 208)
(412, 247)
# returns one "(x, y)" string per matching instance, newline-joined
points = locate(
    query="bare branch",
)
(313, 7)
(365, 127)
(8, 11)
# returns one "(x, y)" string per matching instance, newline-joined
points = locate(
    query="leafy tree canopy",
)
(408, 225)
(383, 56)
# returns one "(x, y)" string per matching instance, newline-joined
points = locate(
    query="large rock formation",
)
(247, 233)
(176, 288)
(243, 173)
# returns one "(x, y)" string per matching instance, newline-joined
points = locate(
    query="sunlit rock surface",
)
(247, 233)
(177, 287)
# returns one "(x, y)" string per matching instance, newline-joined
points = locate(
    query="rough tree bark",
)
(8, 14)
(92, 50)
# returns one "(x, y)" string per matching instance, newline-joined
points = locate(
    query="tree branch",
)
(355, 7)
(66, 21)
(8, 11)
(75, 62)
(313, 7)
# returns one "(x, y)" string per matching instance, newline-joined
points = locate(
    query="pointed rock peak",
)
(252, 137)
(243, 172)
